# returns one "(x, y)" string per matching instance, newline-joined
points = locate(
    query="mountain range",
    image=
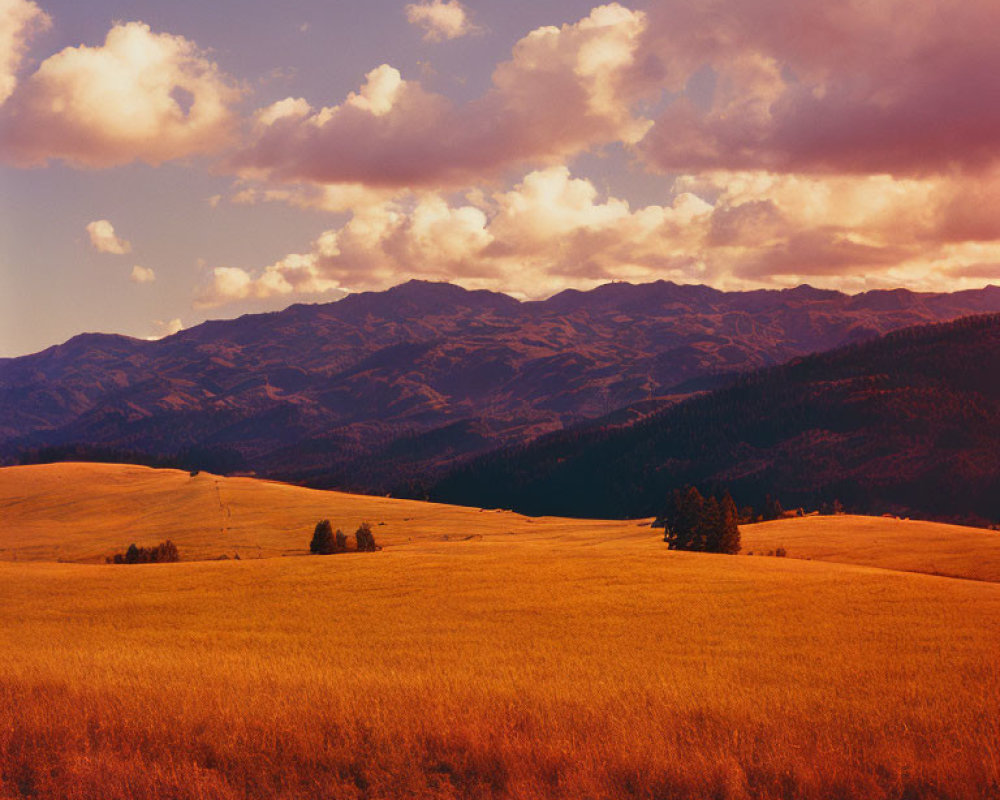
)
(905, 424)
(384, 389)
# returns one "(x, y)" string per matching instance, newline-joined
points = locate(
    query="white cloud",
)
(19, 21)
(162, 329)
(141, 95)
(733, 230)
(441, 19)
(548, 232)
(103, 238)
(143, 274)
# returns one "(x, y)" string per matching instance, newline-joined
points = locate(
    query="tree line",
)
(163, 553)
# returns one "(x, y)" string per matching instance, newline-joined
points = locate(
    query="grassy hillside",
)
(907, 545)
(497, 671)
(84, 512)
(537, 659)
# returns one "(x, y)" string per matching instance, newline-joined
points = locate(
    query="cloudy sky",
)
(164, 163)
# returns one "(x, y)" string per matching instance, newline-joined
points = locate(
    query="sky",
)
(166, 163)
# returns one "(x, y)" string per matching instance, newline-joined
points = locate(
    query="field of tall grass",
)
(909, 545)
(544, 668)
(86, 512)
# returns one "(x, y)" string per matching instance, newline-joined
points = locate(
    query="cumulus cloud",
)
(548, 232)
(19, 21)
(893, 86)
(730, 229)
(103, 238)
(164, 328)
(441, 19)
(141, 96)
(142, 274)
(564, 90)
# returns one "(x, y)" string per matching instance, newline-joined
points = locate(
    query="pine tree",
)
(322, 542)
(772, 508)
(365, 539)
(683, 518)
(703, 524)
(729, 534)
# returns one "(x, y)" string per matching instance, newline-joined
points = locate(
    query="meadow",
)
(85, 512)
(539, 662)
(909, 545)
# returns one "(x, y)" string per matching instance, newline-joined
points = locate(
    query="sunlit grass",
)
(497, 670)
(86, 512)
(908, 545)
(480, 655)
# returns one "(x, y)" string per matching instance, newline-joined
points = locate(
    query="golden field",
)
(901, 544)
(546, 659)
(85, 512)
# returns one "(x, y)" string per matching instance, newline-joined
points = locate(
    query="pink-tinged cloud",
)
(104, 239)
(907, 87)
(19, 21)
(141, 274)
(441, 19)
(563, 91)
(141, 95)
(548, 232)
(731, 229)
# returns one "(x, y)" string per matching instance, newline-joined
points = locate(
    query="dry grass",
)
(530, 666)
(908, 545)
(85, 512)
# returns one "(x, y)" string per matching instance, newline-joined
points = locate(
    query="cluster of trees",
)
(327, 542)
(704, 524)
(164, 552)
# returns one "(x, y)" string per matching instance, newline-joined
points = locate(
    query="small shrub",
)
(340, 541)
(781, 552)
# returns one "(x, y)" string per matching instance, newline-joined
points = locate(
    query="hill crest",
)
(384, 390)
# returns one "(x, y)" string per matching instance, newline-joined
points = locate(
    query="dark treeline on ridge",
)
(220, 460)
(908, 423)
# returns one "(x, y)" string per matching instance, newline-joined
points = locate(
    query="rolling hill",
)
(550, 659)
(906, 545)
(908, 423)
(85, 512)
(380, 389)
(82, 513)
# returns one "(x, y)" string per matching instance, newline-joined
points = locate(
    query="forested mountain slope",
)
(383, 387)
(908, 423)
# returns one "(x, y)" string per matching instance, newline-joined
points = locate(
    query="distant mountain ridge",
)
(908, 423)
(383, 387)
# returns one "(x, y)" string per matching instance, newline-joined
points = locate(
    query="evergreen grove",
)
(703, 524)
